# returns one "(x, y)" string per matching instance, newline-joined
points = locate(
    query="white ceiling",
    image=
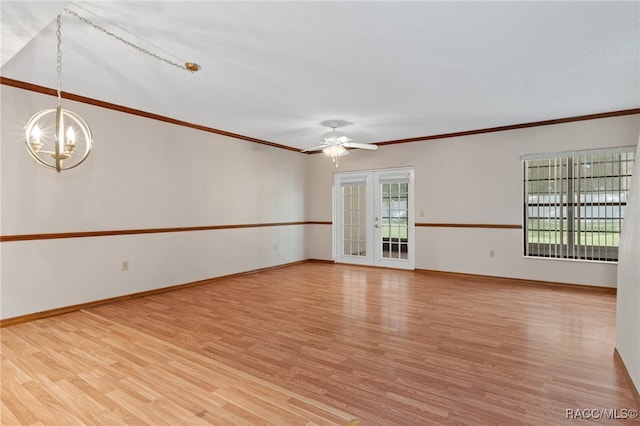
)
(394, 70)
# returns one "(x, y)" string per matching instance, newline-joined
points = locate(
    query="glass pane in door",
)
(394, 220)
(354, 215)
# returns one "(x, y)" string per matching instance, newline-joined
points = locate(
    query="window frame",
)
(577, 211)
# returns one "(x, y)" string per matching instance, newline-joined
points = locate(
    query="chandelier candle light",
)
(47, 140)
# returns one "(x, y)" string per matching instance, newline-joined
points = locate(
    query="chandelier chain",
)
(128, 43)
(59, 59)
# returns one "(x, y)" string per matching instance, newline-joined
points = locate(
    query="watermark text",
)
(601, 413)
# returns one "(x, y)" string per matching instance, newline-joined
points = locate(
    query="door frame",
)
(373, 246)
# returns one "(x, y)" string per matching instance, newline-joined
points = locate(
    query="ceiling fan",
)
(336, 143)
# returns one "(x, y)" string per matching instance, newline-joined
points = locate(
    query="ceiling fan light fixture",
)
(334, 151)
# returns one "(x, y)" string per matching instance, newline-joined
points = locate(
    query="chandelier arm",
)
(58, 137)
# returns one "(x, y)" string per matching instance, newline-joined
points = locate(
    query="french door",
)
(373, 218)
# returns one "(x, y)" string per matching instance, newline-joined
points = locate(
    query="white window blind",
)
(574, 203)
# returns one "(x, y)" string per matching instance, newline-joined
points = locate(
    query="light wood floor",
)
(325, 344)
(79, 369)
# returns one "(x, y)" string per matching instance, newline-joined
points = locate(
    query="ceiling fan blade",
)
(315, 148)
(369, 146)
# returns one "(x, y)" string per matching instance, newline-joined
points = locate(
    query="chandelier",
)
(58, 138)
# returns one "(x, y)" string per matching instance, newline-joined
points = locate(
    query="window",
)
(395, 213)
(574, 203)
(354, 213)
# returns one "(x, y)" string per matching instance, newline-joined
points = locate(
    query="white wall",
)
(149, 174)
(628, 306)
(475, 180)
(142, 174)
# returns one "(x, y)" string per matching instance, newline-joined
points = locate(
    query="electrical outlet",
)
(125, 265)
(492, 253)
